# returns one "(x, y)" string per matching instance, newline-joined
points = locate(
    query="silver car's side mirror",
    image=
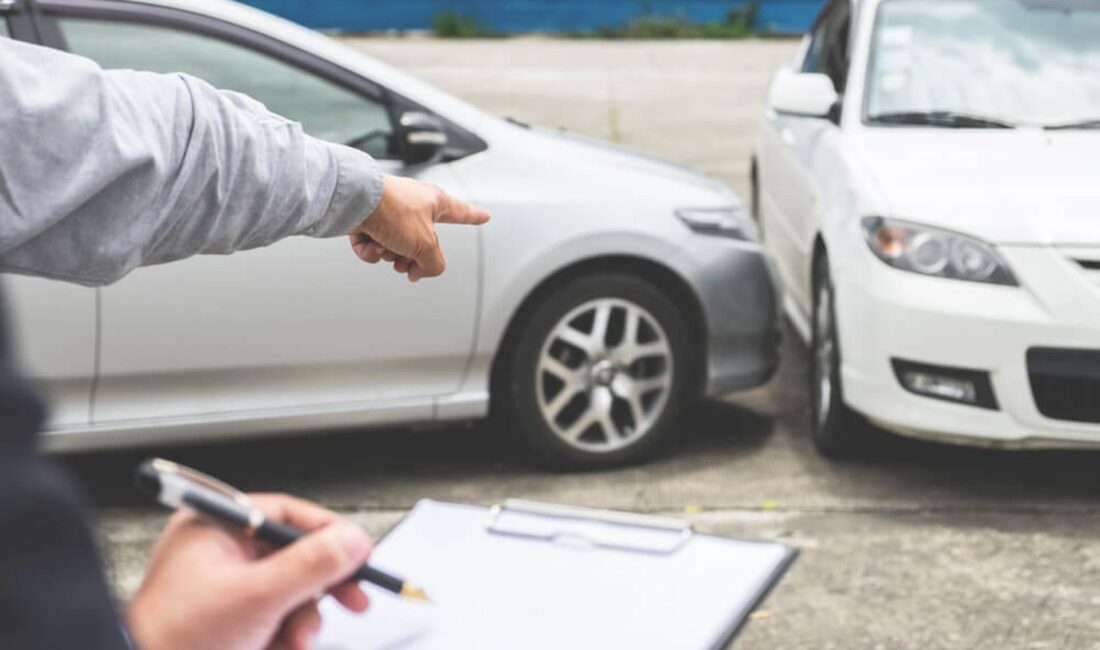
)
(804, 94)
(423, 138)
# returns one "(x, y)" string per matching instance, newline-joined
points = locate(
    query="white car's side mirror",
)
(805, 94)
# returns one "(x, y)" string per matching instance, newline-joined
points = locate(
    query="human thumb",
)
(312, 565)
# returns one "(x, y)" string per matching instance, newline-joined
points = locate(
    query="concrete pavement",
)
(921, 546)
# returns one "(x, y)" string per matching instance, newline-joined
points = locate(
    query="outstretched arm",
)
(105, 171)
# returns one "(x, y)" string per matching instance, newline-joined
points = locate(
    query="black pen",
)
(176, 486)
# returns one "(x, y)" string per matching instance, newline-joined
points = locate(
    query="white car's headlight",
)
(732, 221)
(932, 251)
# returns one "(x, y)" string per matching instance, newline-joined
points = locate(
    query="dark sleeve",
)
(53, 594)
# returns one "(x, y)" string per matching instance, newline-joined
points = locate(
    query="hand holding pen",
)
(209, 584)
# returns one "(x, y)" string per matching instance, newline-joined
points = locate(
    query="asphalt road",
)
(919, 546)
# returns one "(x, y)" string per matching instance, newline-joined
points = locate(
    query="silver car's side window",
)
(326, 110)
(4, 33)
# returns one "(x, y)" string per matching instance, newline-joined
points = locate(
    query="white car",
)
(610, 290)
(927, 176)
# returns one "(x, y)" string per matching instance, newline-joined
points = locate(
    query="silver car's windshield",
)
(985, 63)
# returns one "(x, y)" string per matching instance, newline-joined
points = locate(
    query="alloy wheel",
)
(604, 375)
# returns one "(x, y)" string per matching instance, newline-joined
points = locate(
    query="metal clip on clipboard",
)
(589, 527)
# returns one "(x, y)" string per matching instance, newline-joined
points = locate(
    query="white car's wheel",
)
(601, 372)
(838, 431)
(754, 194)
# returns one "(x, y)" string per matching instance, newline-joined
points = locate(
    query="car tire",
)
(754, 193)
(600, 373)
(837, 431)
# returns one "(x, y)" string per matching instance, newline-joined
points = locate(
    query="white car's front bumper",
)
(887, 315)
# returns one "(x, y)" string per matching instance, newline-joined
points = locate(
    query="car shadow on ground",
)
(974, 473)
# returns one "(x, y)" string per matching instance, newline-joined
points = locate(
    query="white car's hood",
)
(1005, 186)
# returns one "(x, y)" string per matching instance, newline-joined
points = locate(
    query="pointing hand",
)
(402, 229)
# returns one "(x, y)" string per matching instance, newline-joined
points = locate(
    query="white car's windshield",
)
(985, 63)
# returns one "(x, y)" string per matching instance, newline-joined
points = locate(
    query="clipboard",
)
(530, 575)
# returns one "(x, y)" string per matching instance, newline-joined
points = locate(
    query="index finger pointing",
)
(455, 211)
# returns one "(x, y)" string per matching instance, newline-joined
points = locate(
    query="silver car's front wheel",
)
(604, 374)
(600, 371)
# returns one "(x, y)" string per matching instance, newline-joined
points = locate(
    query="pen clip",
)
(167, 467)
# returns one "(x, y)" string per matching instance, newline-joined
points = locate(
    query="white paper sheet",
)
(493, 591)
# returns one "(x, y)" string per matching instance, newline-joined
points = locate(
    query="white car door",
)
(792, 159)
(300, 324)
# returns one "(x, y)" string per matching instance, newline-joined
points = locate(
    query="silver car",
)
(610, 291)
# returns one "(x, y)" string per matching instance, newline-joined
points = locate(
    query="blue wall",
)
(528, 15)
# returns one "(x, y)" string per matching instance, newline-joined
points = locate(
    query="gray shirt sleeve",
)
(105, 171)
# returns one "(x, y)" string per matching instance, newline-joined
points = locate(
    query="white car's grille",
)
(1065, 383)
